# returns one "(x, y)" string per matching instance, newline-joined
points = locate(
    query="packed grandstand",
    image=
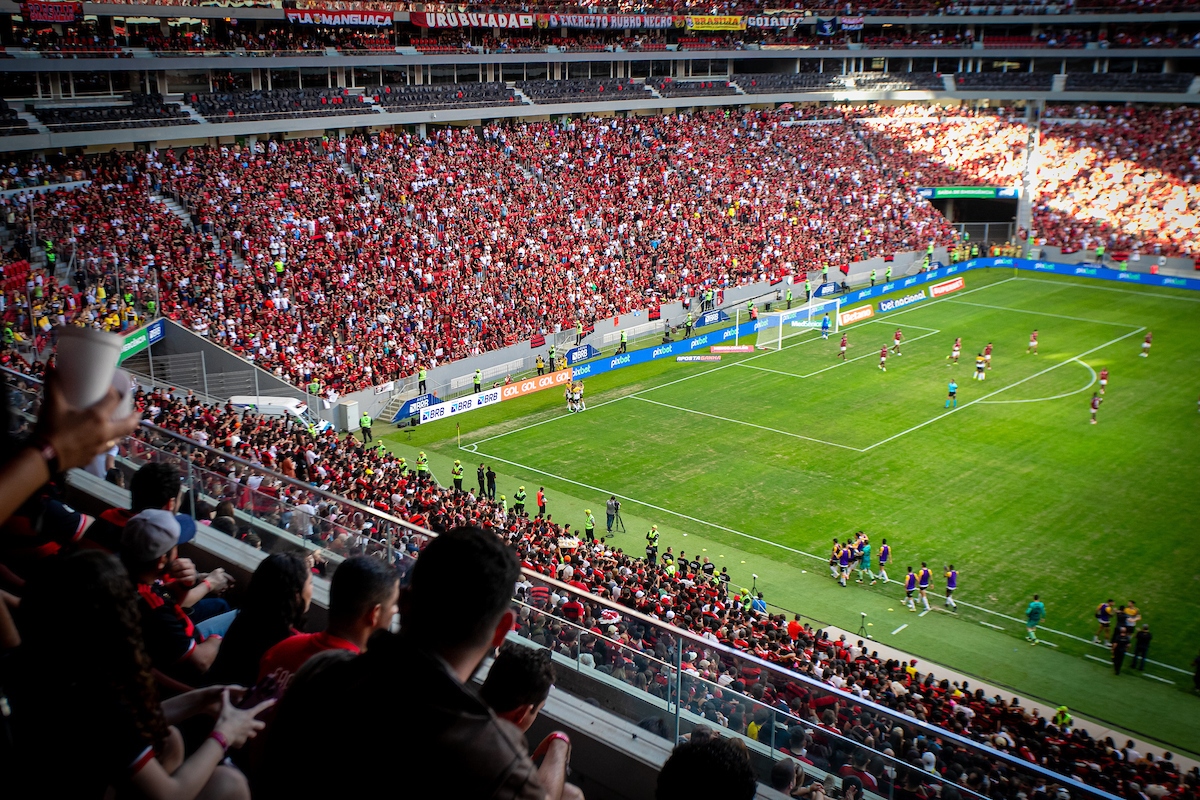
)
(367, 254)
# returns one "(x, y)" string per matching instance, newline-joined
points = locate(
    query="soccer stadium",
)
(561, 401)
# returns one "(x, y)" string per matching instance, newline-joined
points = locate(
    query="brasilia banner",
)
(615, 22)
(777, 21)
(429, 19)
(716, 23)
(51, 12)
(325, 16)
(850, 23)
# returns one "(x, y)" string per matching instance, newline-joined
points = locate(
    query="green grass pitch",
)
(761, 460)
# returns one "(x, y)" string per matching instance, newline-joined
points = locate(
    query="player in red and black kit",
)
(1096, 401)
(987, 355)
(883, 358)
(1103, 379)
(896, 346)
(842, 353)
(956, 351)
(1032, 343)
(1146, 344)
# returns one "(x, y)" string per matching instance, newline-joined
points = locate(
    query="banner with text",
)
(716, 23)
(711, 318)
(535, 384)
(581, 353)
(617, 22)
(142, 338)
(429, 19)
(327, 16)
(946, 287)
(51, 12)
(985, 192)
(777, 21)
(855, 315)
(850, 23)
(414, 405)
(460, 405)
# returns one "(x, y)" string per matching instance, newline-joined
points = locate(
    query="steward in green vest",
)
(552, 356)
(478, 380)
(364, 422)
(422, 466)
(422, 374)
(887, 276)
(578, 331)
(589, 525)
(457, 473)
(314, 387)
(975, 250)
(519, 500)
(789, 297)
(807, 289)
(624, 348)
(872, 277)
(403, 465)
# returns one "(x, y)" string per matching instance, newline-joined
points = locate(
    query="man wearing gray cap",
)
(176, 646)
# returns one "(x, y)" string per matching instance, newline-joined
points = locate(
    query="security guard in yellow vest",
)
(519, 501)
(478, 381)
(789, 297)
(624, 348)
(422, 466)
(578, 331)
(652, 545)
(403, 465)
(589, 525)
(887, 276)
(457, 473)
(422, 374)
(364, 422)
(687, 324)
(552, 357)
(872, 277)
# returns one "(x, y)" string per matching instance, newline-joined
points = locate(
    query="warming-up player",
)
(1032, 343)
(842, 351)
(923, 579)
(885, 556)
(951, 585)
(1103, 379)
(883, 358)
(956, 350)
(896, 342)
(980, 366)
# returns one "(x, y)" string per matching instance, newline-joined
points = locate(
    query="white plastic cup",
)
(86, 360)
(123, 382)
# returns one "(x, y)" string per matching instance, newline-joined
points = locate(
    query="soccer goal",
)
(776, 327)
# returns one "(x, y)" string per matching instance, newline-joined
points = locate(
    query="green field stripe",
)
(747, 424)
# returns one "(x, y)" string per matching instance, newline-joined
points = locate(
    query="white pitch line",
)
(1049, 644)
(926, 611)
(865, 355)
(1001, 389)
(747, 424)
(1090, 383)
(902, 627)
(1156, 678)
(1043, 314)
(1097, 658)
(990, 625)
(1110, 289)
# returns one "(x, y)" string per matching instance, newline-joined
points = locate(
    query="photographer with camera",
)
(612, 509)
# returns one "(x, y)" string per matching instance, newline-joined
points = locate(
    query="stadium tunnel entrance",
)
(990, 221)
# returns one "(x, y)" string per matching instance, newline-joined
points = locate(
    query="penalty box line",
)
(932, 332)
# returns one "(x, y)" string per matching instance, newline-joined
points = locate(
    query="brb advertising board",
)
(413, 405)
(460, 405)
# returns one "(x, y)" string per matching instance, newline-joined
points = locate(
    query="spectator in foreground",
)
(711, 767)
(518, 684)
(273, 609)
(362, 600)
(108, 729)
(447, 733)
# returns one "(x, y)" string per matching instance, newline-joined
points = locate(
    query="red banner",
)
(35, 11)
(535, 384)
(538, 340)
(609, 21)
(429, 19)
(946, 287)
(325, 16)
(655, 313)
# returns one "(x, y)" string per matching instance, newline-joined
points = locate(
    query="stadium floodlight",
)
(775, 327)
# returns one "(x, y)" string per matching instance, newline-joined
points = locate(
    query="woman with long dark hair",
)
(86, 714)
(276, 601)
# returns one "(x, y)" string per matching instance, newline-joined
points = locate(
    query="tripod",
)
(619, 524)
(862, 625)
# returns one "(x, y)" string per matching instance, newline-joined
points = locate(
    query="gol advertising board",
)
(536, 384)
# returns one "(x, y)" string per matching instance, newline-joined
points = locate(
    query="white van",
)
(281, 407)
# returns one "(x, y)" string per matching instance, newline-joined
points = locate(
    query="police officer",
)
(478, 381)
(589, 525)
(552, 352)
(519, 501)
(421, 375)
(652, 545)
(457, 473)
(364, 422)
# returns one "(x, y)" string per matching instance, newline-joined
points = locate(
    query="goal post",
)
(776, 327)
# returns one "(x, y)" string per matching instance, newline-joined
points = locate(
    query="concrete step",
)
(1195, 87)
(1059, 83)
(193, 113)
(34, 122)
(948, 82)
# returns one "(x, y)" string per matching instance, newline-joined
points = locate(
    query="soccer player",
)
(864, 563)
(885, 555)
(987, 355)
(980, 366)
(842, 354)
(834, 556)
(952, 397)
(1103, 379)
(896, 339)
(951, 585)
(825, 327)
(923, 578)
(845, 562)
(1096, 401)
(567, 395)
(883, 358)
(1104, 615)
(1035, 612)
(1146, 344)
(1032, 343)
(582, 406)
(910, 586)
(956, 350)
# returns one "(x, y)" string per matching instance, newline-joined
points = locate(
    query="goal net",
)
(776, 327)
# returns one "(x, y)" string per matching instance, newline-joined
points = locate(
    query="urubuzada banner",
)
(716, 23)
(51, 12)
(324, 16)
(428, 19)
(617, 22)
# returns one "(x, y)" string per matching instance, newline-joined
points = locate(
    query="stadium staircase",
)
(652, 90)
(191, 112)
(1059, 83)
(524, 98)
(1195, 87)
(33, 122)
(948, 82)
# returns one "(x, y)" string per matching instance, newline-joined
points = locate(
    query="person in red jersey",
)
(1033, 342)
(896, 342)
(883, 358)
(363, 598)
(1103, 379)
(1096, 401)
(1146, 344)
(956, 350)
(842, 350)
(987, 355)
